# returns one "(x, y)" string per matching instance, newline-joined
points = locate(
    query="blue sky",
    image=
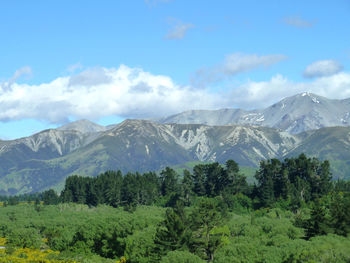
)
(110, 60)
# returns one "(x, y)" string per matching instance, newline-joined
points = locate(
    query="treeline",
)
(165, 189)
(289, 184)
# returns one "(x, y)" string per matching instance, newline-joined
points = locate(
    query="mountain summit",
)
(83, 126)
(299, 113)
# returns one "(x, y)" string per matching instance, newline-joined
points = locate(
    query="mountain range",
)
(294, 114)
(305, 123)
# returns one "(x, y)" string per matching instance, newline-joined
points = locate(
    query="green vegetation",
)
(293, 213)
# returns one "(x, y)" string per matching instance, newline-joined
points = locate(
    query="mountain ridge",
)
(295, 114)
(46, 158)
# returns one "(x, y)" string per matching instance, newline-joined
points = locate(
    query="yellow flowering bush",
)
(27, 255)
(122, 260)
(2, 241)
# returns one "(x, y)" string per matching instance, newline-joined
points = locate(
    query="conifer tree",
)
(232, 181)
(187, 187)
(199, 180)
(172, 233)
(169, 181)
(318, 223)
(340, 215)
(205, 218)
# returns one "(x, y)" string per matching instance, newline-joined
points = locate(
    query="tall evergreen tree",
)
(50, 197)
(205, 218)
(318, 223)
(340, 214)
(199, 175)
(187, 186)
(213, 174)
(113, 188)
(232, 181)
(172, 233)
(130, 191)
(169, 181)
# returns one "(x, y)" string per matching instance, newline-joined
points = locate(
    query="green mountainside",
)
(45, 159)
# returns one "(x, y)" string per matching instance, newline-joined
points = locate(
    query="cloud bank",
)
(322, 68)
(265, 93)
(98, 92)
(133, 93)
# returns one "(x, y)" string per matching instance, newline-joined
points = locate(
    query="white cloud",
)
(265, 93)
(179, 30)
(322, 68)
(234, 64)
(100, 92)
(90, 77)
(297, 21)
(18, 74)
(133, 93)
(237, 62)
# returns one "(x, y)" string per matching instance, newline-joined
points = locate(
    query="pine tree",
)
(50, 197)
(205, 220)
(199, 175)
(213, 174)
(340, 215)
(169, 181)
(318, 223)
(130, 191)
(232, 181)
(113, 189)
(187, 187)
(172, 233)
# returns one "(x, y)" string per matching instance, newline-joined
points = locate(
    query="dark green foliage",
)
(112, 188)
(299, 180)
(207, 236)
(75, 189)
(12, 200)
(340, 214)
(169, 181)
(187, 186)
(134, 189)
(199, 179)
(50, 197)
(172, 233)
(317, 224)
(232, 181)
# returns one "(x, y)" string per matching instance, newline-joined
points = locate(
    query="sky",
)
(110, 60)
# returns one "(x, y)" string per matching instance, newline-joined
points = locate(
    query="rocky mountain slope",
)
(45, 159)
(294, 114)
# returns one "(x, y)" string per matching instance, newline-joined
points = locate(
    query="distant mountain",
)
(332, 143)
(134, 145)
(83, 126)
(294, 114)
(45, 159)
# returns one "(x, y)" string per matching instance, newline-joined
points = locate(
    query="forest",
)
(293, 212)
